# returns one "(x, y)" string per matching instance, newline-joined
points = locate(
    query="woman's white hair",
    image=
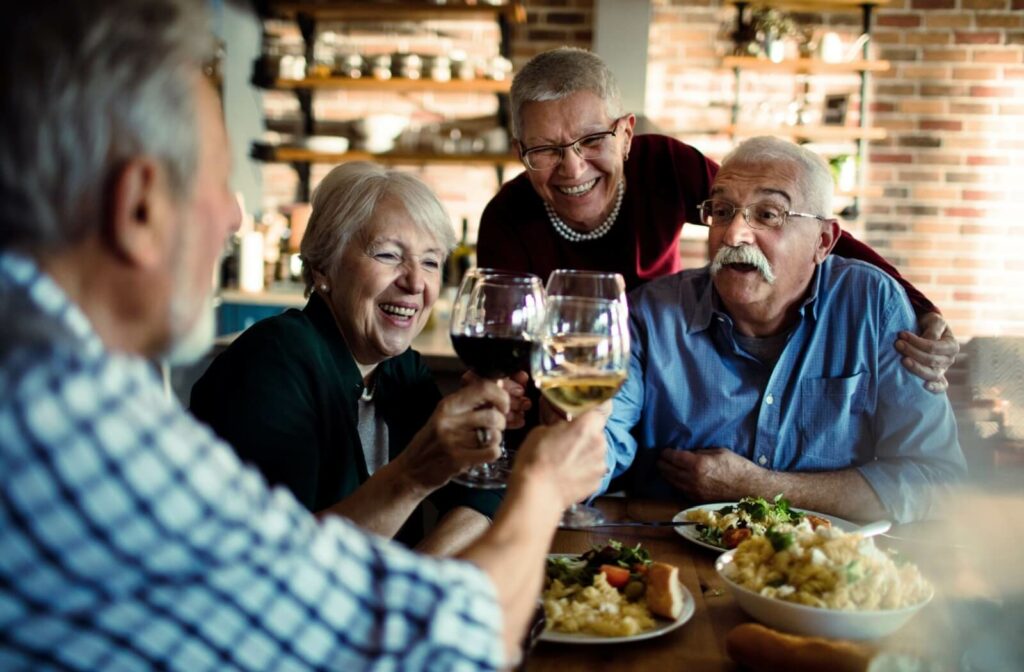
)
(814, 180)
(344, 203)
(559, 73)
(88, 85)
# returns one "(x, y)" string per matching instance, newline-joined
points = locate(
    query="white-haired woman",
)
(331, 401)
(594, 196)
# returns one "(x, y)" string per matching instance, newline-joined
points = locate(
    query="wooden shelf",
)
(398, 84)
(811, 66)
(816, 5)
(285, 154)
(396, 11)
(812, 133)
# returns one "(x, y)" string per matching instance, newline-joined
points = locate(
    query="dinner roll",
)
(756, 647)
(664, 592)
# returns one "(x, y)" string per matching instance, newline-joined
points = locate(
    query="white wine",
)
(575, 394)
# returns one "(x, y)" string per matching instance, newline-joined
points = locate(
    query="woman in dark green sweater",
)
(331, 401)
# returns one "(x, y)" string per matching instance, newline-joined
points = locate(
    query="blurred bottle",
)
(462, 258)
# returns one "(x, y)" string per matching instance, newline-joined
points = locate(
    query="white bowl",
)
(816, 621)
(380, 131)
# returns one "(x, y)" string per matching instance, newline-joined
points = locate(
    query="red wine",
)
(493, 356)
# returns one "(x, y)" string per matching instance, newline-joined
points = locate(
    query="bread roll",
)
(664, 592)
(759, 648)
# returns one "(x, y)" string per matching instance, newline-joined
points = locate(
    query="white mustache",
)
(743, 254)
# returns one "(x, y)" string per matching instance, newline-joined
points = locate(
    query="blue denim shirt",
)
(837, 397)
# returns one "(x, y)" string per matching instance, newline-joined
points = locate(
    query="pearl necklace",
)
(574, 236)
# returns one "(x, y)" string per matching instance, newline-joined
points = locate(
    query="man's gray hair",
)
(87, 86)
(344, 203)
(559, 73)
(814, 180)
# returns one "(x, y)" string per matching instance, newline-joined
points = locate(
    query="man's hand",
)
(569, 455)
(708, 474)
(929, 355)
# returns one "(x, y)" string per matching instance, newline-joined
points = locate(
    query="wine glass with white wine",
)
(580, 361)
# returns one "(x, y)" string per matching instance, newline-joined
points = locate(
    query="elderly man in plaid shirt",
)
(131, 538)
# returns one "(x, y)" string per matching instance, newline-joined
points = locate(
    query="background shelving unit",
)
(808, 67)
(308, 15)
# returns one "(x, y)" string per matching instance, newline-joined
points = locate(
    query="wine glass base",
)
(581, 515)
(491, 476)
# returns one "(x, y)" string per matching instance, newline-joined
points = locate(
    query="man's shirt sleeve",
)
(627, 407)
(917, 453)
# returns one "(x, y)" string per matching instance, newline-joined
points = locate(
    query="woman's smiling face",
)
(384, 284)
(581, 191)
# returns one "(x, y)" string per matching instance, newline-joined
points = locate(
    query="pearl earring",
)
(323, 288)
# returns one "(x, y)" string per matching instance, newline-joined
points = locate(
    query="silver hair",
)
(87, 86)
(559, 73)
(814, 179)
(344, 203)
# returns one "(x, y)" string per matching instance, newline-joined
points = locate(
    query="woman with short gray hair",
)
(331, 400)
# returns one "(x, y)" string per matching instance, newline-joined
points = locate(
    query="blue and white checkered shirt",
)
(131, 538)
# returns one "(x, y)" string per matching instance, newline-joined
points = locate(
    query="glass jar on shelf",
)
(324, 50)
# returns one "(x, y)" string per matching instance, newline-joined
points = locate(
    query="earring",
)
(323, 287)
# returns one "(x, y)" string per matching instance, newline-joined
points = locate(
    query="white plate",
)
(689, 532)
(660, 628)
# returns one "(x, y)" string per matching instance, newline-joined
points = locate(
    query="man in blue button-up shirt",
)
(772, 369)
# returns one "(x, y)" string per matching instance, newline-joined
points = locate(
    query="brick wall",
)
(953, 104)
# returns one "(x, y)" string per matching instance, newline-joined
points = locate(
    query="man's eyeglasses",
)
(762, 215)
(592, 146)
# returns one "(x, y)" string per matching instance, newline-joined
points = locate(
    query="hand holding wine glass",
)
(580, 362)
(495, 320)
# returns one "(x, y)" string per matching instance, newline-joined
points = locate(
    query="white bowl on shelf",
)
(329, 144)
(380, 131)
(816, 621)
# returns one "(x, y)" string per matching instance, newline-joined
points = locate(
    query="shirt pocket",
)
(830, 410)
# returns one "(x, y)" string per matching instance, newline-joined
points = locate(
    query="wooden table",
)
(699, 645)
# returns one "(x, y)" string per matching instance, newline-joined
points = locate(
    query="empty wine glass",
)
(593, 284)
(581, 361)
(495, 320)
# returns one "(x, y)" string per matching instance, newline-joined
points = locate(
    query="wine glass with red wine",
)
(495, 322)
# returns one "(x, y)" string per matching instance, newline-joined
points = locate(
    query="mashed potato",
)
(827, 568)
(598, 610)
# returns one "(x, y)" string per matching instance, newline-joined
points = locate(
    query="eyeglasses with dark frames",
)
(762, 215)
(592, 146)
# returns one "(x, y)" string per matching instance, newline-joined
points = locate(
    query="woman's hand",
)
(929, 355)
(450, 441)
(519, 403)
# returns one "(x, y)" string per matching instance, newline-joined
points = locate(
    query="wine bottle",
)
(462, 258)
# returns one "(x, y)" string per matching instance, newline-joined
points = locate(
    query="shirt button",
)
(769, 399)
(762, 460)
